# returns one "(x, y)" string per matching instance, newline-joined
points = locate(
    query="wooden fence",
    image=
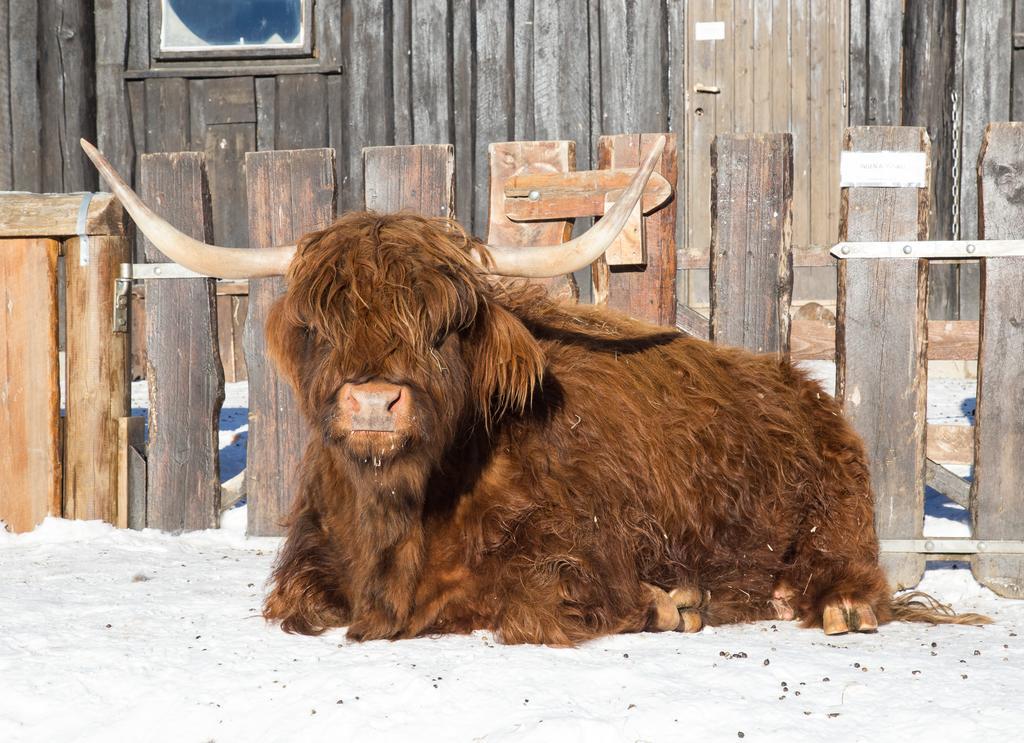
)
(881, 338)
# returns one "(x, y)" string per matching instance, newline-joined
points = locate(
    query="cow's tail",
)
(917, 606)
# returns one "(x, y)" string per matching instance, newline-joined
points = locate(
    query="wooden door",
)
(767, 66)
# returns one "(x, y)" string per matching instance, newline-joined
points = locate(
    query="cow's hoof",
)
(690, 621)
(685, 597)
(848, 616)
(781, 598)
(666, 615)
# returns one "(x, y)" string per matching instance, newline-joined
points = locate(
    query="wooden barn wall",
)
(47, 95)
(952, 67)
(429, 71)
(471, 72)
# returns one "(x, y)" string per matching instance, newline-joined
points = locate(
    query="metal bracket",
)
(949, 249)
(122, 289)
(150, 271)
(954, 546)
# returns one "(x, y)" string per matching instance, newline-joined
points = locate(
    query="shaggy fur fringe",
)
(918, 606)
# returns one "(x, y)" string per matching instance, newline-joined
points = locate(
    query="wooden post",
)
(508, 159)
(646, 292)
(751, 240)
(997, 492)
(186, 383)
(420, 178)
(30, 466)
(290, 193)
(881, 336)
(97, 378)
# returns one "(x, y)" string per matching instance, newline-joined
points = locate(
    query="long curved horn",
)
(211, 260)
(543, 261)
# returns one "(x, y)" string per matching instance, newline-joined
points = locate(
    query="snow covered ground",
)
(110, 635)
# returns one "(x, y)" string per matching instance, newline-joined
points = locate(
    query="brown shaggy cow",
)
(484, 458)
(553, 472)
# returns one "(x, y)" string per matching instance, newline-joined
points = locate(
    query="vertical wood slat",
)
(417, 177)
(645, 292)
(113, 130)
(369, 98)
(997, 490)
(26, 126)
(751, 248)
(97, 378)
(881, 336)
(186, 382)
(67, 84)
(929, 66)
(6, 131)
(494, 100)
(30, 467)
(508, 159)
(290, 194)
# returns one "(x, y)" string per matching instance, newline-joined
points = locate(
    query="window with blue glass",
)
(198, 28)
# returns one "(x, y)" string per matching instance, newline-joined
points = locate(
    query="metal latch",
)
(147, 271)
(122, 288)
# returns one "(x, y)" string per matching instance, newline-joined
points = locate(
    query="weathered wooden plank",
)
(368, 100)
(131, 442)
(552, 79)
(494, 101)
(431, 92)
(67, 93)
(290, 194)
(948, 340)
(646, 292)
(97, 378)
(301, 120)
(997, 492)
(167, 119)
(583, 193)
(950, 443)
(801, 29)
(113, 130)
(929, 66)
(463, 112)
(987, 57)
(26, 126)
(6, 132)
(266, 108)
(858, 90)
(186, 384)
(399, 45)
(884, 55)
(508, 159)
(701, 114)
(881, 343)
(219, 100)
(751, 269)
(30, 468)
(56, 215)
(630, 43)
(224, 147)
(416, 177)
(675, 62)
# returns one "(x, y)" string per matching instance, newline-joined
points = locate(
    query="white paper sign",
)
(709, 31)
(883, 169)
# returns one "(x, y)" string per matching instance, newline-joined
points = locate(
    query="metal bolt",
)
(971, 248)
(158, 271)
(534, 195)
(982, 547)
(845, 250)
(907, 250)
(929, 545)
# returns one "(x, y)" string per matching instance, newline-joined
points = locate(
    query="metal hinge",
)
(149, 272)
(122, 288)
(954, 546)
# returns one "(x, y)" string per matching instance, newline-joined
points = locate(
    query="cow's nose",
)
(375, 406)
